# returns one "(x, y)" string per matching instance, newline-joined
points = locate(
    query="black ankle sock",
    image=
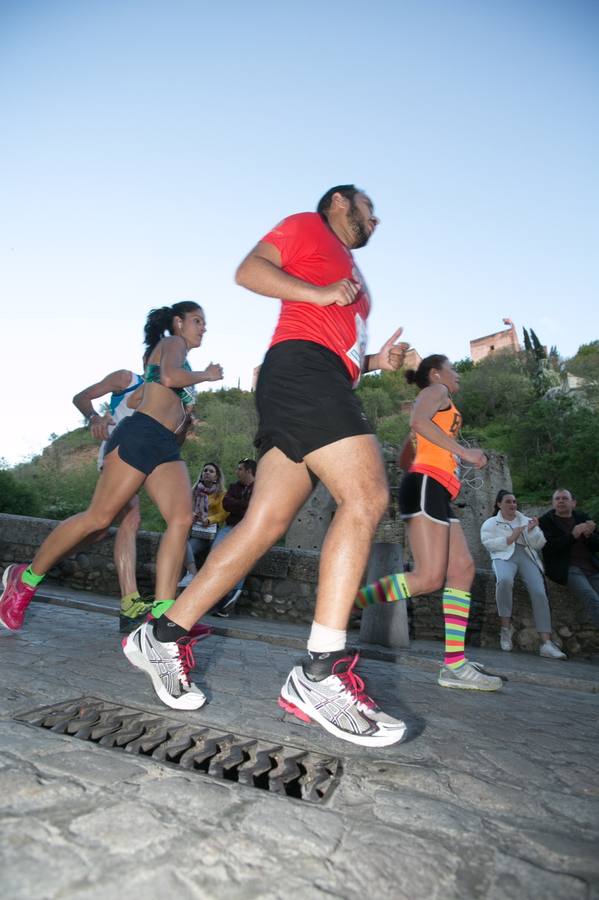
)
(165, 630)
(317, 666)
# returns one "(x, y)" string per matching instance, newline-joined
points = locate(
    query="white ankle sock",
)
(326, 640)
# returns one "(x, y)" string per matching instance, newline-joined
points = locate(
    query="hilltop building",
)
(491, 343)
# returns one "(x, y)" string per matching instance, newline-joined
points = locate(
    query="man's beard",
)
(359, 229)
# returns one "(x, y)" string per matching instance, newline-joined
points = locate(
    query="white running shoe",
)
(468, 678)
(186, 580)
(340, 704)
(505, 638)
(166, 664)
(550, 651)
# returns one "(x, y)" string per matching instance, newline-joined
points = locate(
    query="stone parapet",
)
(282, 584)
(282, 587)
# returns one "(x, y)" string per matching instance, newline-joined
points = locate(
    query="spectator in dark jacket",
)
(571, 554)
(237, 499)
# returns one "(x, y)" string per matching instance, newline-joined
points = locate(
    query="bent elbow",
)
(167, 380)
(240, 274)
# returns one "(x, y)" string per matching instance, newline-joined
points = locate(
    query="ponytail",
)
(161, 320)
(421, 376)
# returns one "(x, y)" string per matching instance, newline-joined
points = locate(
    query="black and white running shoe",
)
(339, 702)
(166, 664)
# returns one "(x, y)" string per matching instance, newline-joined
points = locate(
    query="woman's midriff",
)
(162, 404)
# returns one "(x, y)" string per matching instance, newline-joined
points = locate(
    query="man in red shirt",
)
(311, 426)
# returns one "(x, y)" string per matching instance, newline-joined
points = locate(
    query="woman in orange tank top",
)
(431, 458)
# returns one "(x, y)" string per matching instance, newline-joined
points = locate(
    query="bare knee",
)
(99, 520)
(181, 520)
(429, 582)
(266, 528)
(462, 572)
(368, 504)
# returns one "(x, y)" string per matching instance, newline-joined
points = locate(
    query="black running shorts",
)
(143, 443)
(305, 400)
(421, 495)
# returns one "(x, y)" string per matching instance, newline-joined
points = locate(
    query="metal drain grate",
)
(280, 769)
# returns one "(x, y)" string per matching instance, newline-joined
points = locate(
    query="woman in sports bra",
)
(143, 449)
(430, 458)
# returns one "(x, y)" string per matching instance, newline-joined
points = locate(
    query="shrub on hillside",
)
(16, 498)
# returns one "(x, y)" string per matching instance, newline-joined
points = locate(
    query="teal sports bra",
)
(185, 394)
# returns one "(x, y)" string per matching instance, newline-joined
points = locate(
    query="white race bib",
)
(357, 352)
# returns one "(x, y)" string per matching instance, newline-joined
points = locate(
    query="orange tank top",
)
(440, 464)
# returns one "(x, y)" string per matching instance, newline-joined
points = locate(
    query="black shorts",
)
(305, 400)
(143, 443)
(421, 495)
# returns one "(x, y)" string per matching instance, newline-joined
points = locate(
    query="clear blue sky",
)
(146, 146)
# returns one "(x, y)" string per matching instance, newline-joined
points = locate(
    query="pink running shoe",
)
(15, 598)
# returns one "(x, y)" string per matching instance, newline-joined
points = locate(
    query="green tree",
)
(393, 430)
(463, 365)
(497, 386)
(556, 444)
(16, 498)
(377, 403)
(585, 362)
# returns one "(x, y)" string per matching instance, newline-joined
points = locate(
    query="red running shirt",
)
(312, 252)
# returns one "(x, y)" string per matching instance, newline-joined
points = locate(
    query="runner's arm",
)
(261, 273)
(113, 383)
(172, 375)
(390, 357)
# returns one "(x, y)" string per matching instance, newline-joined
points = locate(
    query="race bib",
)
(357, 352)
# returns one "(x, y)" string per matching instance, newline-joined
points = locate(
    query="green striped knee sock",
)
(456, 608)
(385, 590)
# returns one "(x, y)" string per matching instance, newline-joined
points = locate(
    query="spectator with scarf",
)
(208, 513)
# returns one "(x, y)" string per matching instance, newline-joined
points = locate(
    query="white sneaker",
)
(505, 638)
(339, 703)
(186, 580)
(167, 664)
(468, 678)
(550, 651)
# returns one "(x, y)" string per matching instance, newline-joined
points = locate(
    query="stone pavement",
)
(491, 796)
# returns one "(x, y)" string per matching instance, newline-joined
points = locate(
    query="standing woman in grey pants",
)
(513, 540)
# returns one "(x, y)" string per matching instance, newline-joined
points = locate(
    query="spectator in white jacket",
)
(513, 540)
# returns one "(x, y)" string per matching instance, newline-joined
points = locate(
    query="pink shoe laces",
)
(186, 657)
(352, 681)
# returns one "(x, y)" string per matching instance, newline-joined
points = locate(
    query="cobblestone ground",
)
(492, 796)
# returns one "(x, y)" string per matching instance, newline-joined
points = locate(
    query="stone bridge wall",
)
(282, 586)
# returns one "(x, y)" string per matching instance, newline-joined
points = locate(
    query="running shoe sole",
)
(191, 700)
(307, 713)
(464, 686)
